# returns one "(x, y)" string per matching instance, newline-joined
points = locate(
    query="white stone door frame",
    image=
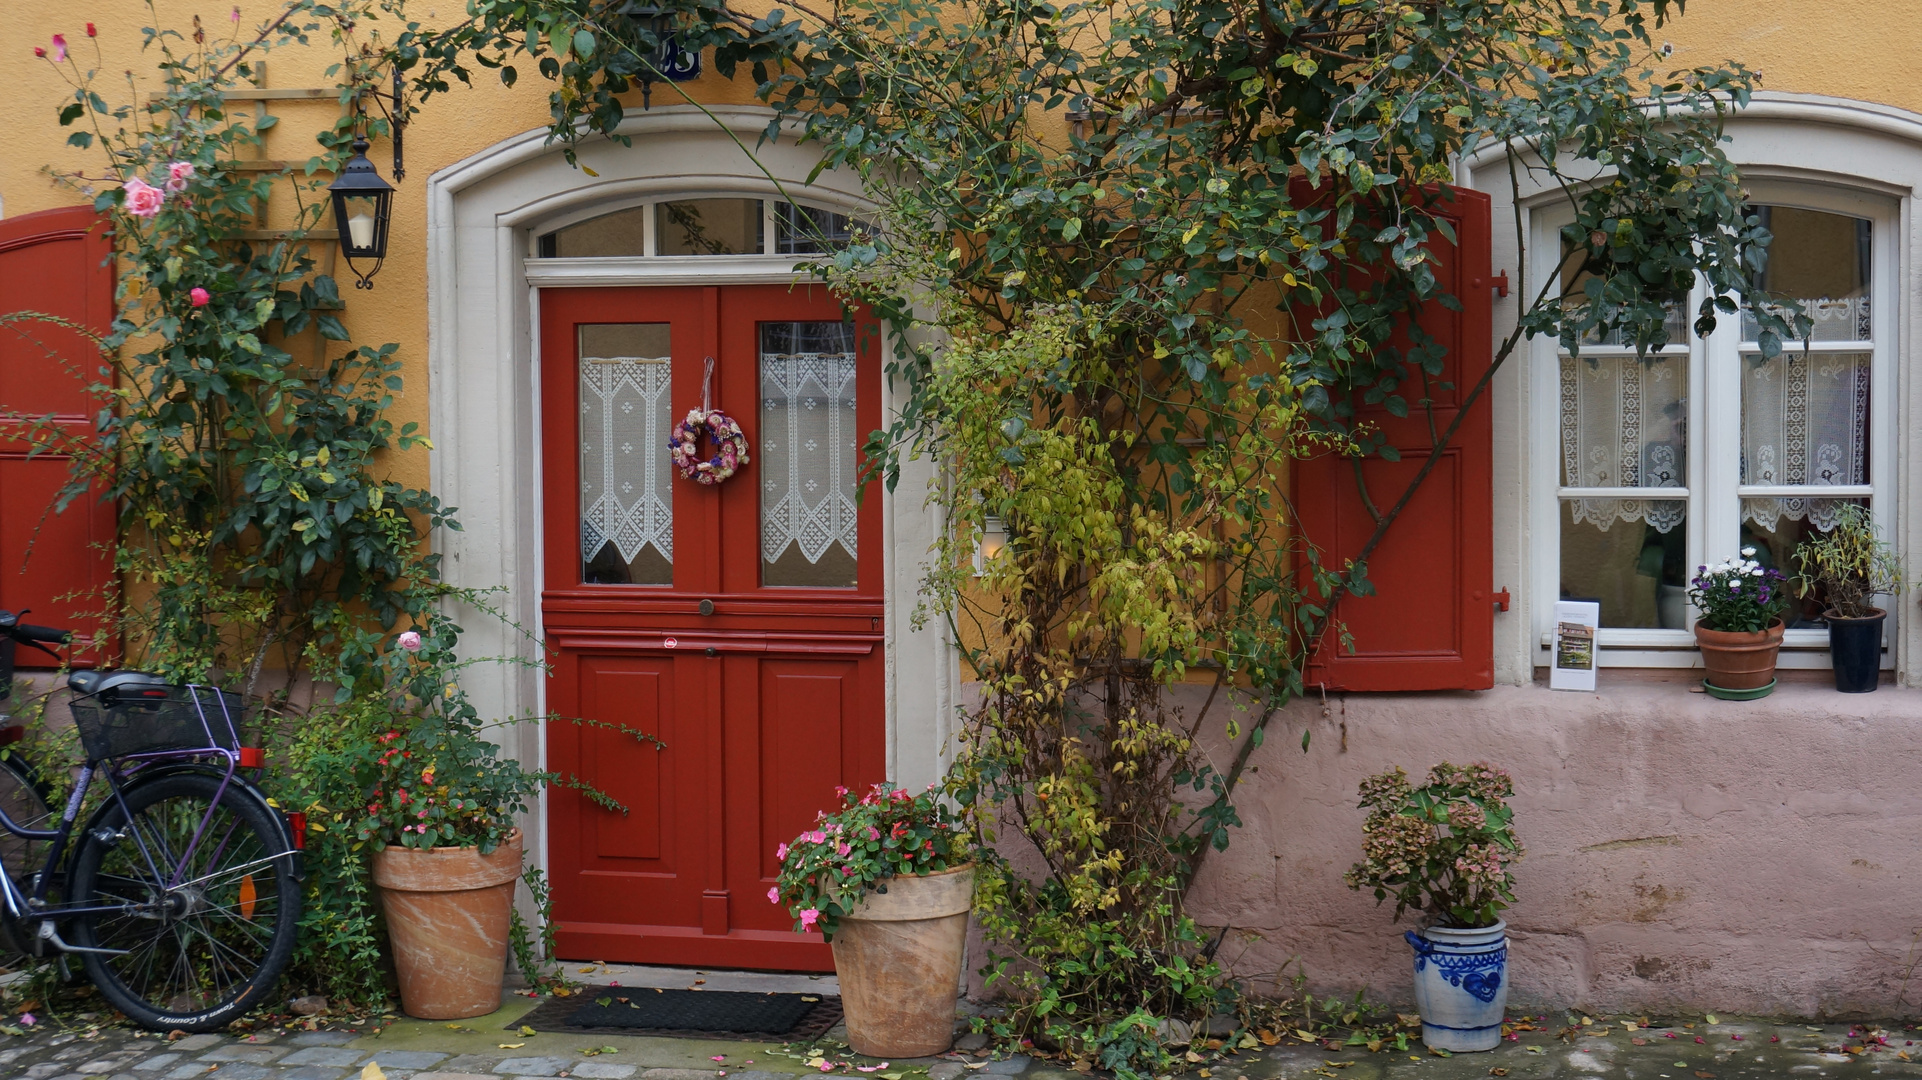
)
(483, 289)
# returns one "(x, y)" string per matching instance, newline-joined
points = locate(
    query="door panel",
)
(59, 263)
(765, 697)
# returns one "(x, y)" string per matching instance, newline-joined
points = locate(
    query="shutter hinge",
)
(1501, 289)
(1501, 600)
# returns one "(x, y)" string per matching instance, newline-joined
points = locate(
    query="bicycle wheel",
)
(24, 799)
(208, 924)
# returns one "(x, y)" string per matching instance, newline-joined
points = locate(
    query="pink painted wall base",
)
(1683, 852)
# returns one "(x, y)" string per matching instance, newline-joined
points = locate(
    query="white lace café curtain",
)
(808, 438)
(625, 498)
(1624, 424)
(1805, 420)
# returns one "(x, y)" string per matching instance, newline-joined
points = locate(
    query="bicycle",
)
(181, 893)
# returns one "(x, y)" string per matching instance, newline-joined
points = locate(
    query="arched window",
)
(702, 226)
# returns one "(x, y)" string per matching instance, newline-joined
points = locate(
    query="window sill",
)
(1808, 689)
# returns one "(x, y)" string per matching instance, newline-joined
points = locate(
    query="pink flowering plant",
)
(1443, 848)
(886, 833)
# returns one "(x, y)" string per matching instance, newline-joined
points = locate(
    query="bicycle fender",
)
(237, 780)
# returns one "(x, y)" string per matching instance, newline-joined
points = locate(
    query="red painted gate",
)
(57, 262)
(738, 624)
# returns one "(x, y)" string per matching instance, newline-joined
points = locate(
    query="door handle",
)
(706, 607)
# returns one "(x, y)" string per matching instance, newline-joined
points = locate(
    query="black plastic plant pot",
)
(1855, 650)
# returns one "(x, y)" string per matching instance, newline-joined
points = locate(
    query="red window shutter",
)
(1430, 623)
(57, 262)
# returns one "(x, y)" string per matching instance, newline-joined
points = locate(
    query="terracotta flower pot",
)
(1737, 660)
(898, 956)
(447, 915)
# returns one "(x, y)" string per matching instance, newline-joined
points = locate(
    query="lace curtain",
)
(625, 497)
(808, 438)
(1624, 425)
(1805, 420)
(1846, 319)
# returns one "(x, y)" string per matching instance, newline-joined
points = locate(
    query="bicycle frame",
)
(118, 772)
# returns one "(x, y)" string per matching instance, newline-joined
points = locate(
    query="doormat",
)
(694, 1014)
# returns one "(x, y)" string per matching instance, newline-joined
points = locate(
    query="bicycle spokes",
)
(202, 903)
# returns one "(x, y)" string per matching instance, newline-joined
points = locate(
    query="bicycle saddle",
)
(94, 682)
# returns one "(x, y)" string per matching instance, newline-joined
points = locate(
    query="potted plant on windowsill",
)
(1847, 568)
(1445, 849)
(888, 880)
(1739, 629)
(437, 803)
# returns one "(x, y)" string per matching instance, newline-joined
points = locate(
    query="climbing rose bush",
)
(827, 870)
(1444, 848)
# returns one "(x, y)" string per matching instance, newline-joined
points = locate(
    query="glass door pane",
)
(809, 445)
(627, 502)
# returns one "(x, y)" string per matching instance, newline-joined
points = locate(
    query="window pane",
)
(709, 227)
(1805, 418)
(1823, 261)
(627, 503)
(1625, 421)
(618, 233)
(808, 230)
(1774, 527)
(809, 438)
(1634, 566)
(1575, 277)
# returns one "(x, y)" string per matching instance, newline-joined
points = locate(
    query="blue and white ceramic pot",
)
(1461, 985)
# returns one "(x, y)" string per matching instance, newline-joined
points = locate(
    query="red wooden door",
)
(1430, 623)
(738, 624)
(58, 263)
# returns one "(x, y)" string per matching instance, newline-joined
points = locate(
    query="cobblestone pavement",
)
(488, 1048)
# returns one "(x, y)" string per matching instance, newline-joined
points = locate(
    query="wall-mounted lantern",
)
(363, 203)
(993, 541)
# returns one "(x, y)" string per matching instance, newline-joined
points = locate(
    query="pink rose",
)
(143, 199)
(409, 641)
(774, 895)
(178, 173)
(59, 49)
(199, 296)
(809, 916)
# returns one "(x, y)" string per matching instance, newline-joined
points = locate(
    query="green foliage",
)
(257, 514)
(1134, 258)
(246, 438)
(887, 833)
(419, 772)
(1849, 565)
(1443, 848)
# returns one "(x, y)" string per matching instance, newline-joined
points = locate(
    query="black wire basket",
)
(148, 719)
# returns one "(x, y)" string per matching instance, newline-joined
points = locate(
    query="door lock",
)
(707, 607)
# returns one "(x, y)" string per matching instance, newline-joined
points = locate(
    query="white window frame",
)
(1714, 426)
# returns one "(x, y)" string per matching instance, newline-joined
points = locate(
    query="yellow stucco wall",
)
(1833, 49)
(449, 127)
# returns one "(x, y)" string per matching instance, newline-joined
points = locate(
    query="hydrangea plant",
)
(826, 871)
(1740, 595)
(1444, 848)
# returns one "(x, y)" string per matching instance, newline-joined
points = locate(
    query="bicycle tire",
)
(24, 798)
(217, 947)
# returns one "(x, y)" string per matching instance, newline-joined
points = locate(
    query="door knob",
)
(707, 607)
(712, 651)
